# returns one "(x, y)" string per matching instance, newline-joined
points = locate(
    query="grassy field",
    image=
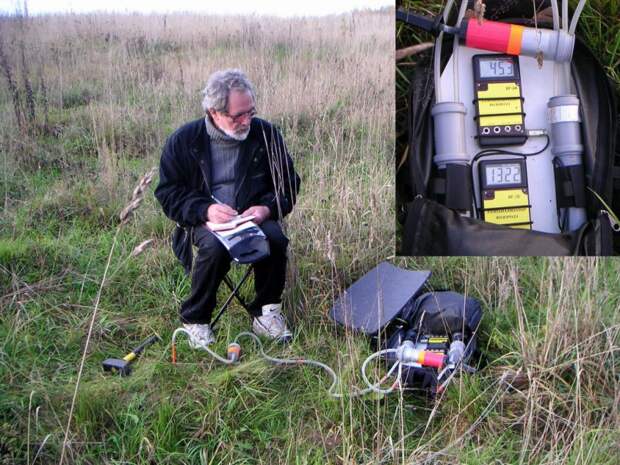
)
(87, 102)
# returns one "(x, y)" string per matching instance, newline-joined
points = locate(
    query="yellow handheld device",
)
(504, 193)
(499, 102)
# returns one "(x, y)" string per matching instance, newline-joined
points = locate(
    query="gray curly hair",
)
(219, 86)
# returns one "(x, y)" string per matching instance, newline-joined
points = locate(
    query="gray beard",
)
(237, 136)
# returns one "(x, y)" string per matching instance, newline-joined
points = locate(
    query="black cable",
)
(561, 212)
(490, 152)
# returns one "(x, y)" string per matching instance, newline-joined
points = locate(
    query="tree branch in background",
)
(413, 50)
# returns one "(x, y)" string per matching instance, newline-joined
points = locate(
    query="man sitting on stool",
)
(242, 161)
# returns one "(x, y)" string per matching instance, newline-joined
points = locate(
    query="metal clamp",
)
(612, 220)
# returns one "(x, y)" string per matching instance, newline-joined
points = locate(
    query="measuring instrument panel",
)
(504, 193)
(499, 100)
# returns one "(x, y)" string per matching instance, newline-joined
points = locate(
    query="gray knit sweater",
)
(224, 156)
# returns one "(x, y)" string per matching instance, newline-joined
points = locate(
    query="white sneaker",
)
(272, 324)
(199, 335)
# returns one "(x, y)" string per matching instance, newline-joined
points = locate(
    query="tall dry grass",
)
(550, 391)
(123, 83)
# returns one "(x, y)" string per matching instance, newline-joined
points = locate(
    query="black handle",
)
(433, 25)
(151, 340)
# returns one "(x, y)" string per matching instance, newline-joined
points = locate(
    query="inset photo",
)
(506, 128)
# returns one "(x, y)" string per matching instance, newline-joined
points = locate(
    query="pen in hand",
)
(219, 202)
(220, 213)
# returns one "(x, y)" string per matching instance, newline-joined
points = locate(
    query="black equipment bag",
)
(430, 228)
(431, 324)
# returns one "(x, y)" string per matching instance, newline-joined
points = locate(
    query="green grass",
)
(258, 413)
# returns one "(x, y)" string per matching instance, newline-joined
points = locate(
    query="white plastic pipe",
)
(576, 15)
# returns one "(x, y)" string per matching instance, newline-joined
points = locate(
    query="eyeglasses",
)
(240, 116)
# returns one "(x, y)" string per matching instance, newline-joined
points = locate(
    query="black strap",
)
(453, 187)
(438, 186)
(570, 186)
(616, 177)
(419, 125)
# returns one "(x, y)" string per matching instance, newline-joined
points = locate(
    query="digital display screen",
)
(504, 174)
(497, 68)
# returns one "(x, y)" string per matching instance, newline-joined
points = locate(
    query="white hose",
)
(565, 15)
(568, 82)
(437, 67)
(556, 15)
(556, 27)
(335, 381)
(455, 52)
(375, 387)
(437, 58)
(576, 15)
(566, 69)
(213, 354)
(354, 392)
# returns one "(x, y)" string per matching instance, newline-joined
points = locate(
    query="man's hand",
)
(218, 213)
(260, 212)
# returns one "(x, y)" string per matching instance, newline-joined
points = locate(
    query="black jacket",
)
(265, 173)
(265, 176)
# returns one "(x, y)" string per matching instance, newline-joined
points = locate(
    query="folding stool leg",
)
(231, 286)
(234, 293)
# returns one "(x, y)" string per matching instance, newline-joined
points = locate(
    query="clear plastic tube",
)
(375, 387)
(437, 67)
(437, 57)
(455, 52)
(213, 354)
(568, 81)
(556, 26)
(576, 15)
(331, 391)
(565, 15)
(556, 15)
(353, 392)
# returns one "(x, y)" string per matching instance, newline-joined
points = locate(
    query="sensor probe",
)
(512, 39)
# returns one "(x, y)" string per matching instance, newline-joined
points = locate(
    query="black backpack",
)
(389, 306)
(430, 228)
(435, 320)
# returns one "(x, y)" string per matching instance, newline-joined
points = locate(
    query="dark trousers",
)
(213, 262)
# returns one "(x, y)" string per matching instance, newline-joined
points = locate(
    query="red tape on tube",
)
(432, 359)
(489, 35)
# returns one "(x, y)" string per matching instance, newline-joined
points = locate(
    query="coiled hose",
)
(332, 391)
